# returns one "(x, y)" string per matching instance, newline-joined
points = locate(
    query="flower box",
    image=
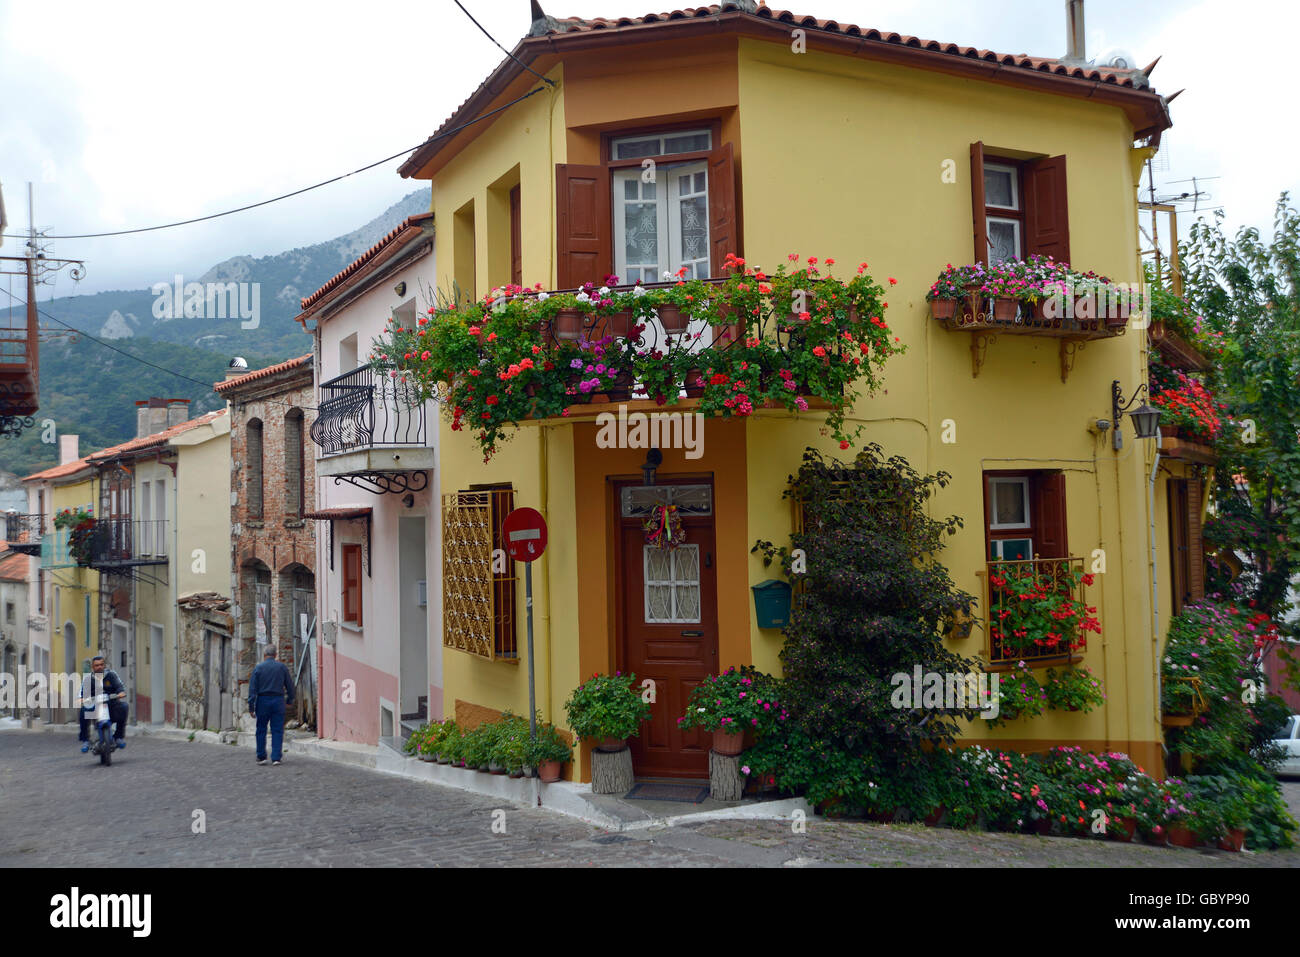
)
(943, 309)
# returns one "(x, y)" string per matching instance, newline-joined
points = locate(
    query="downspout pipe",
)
(1155, 591)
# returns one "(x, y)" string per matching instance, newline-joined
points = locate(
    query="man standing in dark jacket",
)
(268, 688)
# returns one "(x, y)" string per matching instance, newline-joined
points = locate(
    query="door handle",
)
(708, 559)
(692, 634)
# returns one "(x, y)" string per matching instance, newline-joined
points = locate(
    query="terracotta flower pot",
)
(1123, 828)
(1234, 840)
(1005, 309)
(494, 768)
(611, 744)
(727, 743)
(549, 771)
(618, 324)
(620, 390)
(943, 309)
(694, 384)
(568, 324)
(673, 319)
(1180, 836)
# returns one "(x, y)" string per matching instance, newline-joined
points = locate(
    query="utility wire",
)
(546, 80)
(179, 375)
(305, 189)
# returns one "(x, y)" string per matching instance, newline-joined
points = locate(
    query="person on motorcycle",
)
(104, 680)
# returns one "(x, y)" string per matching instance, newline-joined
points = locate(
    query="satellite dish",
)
(1118, 59)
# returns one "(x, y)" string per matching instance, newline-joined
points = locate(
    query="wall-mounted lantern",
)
(1146, 420)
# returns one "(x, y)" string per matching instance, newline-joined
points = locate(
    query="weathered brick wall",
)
(280, 539)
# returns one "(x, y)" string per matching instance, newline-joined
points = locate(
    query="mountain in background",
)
(284, 278)
(90, 390)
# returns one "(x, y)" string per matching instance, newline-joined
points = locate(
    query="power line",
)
(546, 80)
(305, 189)
(206, 385)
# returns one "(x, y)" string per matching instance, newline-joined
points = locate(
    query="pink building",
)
(377, 510)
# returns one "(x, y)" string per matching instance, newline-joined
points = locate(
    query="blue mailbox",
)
(772, 603)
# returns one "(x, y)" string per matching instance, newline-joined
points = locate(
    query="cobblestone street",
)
(59, 808)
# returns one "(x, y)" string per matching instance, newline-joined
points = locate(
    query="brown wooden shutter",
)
(724, 229)
(977, 203)
(1195, 543)
(584, 250)
(352, 583)
(1048, 492)
(1047, 210)
(516, 239)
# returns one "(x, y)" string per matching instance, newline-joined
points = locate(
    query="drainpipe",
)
(546, 573)
(1155, 593)
(175, 563)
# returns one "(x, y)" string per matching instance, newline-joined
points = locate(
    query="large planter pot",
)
(1123, 828)
(494, 768)
(517, 773)
(620, 390)
(1005, 309)
(727, 743)
(431, 758)
(568, 324)
(609, 745)
(694, 384)
(673, 319)
(549, 771)
(1234, 840)
(443, 760)
(619, 324)
(943, 309)
(1180, 836)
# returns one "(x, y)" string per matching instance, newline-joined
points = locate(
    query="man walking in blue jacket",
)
(268, 688)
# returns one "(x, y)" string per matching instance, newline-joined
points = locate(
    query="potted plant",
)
(475, 747)
(730, 705)
(1037, 608)
(1019, 695)
(607, 709)
(947, 291)
(548, 753)
(510, 746)
(1073, 689)
(1188, 410)
(415, 743)
(449, 742)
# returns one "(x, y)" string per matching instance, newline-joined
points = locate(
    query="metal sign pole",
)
(532, 698)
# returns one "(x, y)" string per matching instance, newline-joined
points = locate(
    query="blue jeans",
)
(270, 709)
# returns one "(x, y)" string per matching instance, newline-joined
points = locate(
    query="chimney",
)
(142, 418)
(150, 416)
(238, 366)
(1074, 31)
(178, 410)
(68, 449)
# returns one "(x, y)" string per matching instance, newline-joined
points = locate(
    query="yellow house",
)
(69, 591)
(815, 138)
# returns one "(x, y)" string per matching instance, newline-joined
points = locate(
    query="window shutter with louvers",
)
(1047, 211)
(1048, 493)
(584, 248)
(978, 212)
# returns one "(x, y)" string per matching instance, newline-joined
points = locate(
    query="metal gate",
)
(303, 627)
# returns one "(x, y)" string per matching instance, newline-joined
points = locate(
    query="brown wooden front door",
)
(669, 633)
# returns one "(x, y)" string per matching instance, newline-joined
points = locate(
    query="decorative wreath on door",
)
(663, 527)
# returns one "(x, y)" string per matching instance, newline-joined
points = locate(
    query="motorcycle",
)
(102, 723)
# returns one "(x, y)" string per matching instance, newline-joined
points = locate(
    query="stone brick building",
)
(273, 543)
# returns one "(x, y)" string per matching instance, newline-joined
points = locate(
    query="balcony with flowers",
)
(799, 339)
(1190, 416)
(1032, 297)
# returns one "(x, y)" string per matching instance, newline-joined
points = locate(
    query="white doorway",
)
(413, 677)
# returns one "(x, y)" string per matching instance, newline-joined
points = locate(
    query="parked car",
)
(1288, 738)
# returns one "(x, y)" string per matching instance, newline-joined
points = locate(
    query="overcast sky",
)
(135, 113)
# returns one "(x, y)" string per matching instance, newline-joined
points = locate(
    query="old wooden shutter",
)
(584, 249)
(1195, 544)
(1047, 210)
(352, 583)
(1048, 492)
(724, 229)
(977, 203)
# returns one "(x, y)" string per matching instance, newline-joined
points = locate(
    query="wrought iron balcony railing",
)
(120, 541)
(23, 531)
(363, 409)
(1058, 578)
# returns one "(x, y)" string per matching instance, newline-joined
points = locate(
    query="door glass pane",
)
(672, 584)
(1004, 240)
(637, 500)
(999, 188)
(686, 142)
(635, 149)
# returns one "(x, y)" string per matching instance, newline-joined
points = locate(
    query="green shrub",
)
(607, 706)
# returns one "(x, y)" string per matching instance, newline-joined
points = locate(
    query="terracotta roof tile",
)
(1127, 79)
(263, 373)
(15, 566)
(150, 441)
(57, 471)
(419, 219)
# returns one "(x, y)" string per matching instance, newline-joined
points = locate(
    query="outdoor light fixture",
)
(400, 289)
(653, 459)
(1146, 420)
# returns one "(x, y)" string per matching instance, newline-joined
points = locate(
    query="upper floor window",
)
(1020, 207)
(253, 453)
(293, 464)
(1025, 515)
(640, 219)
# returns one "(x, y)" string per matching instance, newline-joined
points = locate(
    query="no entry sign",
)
(525, 533)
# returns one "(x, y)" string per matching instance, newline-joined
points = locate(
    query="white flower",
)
(701, 710)
(638, 292)
(543, 296)
(667, 275)
(583, 297)
(604, 291)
